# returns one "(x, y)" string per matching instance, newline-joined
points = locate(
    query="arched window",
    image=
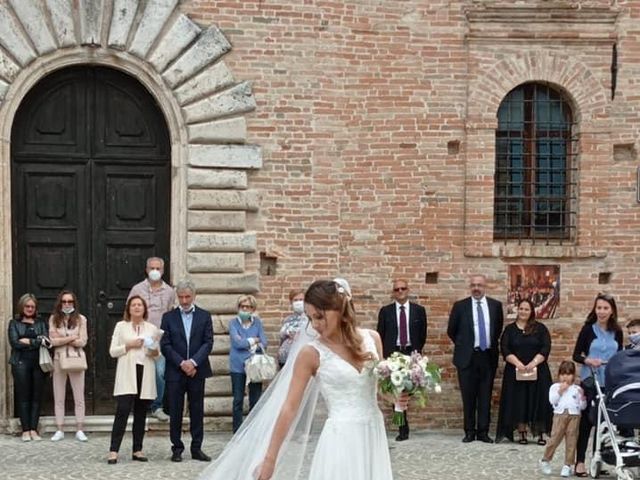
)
(535, 176)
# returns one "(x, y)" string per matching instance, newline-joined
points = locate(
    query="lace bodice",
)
(348, 394)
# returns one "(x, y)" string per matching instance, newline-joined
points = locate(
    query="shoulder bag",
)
(44, 357)
(260, 367)
(73, 359)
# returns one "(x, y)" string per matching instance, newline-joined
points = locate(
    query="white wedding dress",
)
(353, 443)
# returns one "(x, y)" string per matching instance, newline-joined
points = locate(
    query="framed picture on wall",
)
(538, 283)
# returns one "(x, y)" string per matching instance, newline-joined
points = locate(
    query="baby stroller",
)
(618, 409)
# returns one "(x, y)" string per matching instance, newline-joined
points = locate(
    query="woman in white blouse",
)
(135, 345)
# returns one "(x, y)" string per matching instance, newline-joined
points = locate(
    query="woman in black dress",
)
(524, 404)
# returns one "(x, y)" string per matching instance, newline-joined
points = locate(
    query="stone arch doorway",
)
(91, 199)
(181, 63)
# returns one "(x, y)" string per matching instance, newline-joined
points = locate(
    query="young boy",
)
(633, 332)
(568, 400)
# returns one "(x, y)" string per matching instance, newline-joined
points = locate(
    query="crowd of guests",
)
(162, 354)
(530, 403)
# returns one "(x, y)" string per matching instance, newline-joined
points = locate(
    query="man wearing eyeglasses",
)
(475, 325)
(402, 326)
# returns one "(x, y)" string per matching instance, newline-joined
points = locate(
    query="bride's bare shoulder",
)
(308, 357)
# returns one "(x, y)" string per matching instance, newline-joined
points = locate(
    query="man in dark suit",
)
(475, 325)
(402, 326)
(186, 344)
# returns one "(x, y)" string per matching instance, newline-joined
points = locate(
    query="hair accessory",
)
(343, 286)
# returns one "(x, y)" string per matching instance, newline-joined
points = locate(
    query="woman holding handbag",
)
(68, 333)
(247, 336)
(524, 401)
(135, 344)
(27, 332)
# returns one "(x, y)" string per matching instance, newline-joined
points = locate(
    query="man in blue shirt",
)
(186, 344)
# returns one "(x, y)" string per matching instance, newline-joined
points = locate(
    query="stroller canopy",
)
(623, 369)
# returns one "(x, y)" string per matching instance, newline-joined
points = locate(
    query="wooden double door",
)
(90, 173)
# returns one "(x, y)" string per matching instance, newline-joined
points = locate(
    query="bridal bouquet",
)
(413, 374)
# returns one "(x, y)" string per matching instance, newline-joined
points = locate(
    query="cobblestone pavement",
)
(426, 455)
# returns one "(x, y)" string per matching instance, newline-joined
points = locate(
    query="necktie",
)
(482, 333)
(403, 327)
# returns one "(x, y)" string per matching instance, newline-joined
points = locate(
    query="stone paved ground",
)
(427, 455)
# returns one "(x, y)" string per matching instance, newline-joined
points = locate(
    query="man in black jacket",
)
(402, 326)
(475, 325)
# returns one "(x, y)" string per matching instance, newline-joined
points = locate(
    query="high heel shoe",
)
(112, 460)
(139, 458)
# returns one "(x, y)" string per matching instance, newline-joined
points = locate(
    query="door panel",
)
(49, 222)
(128, 231)
(56, 124)
(91, 201)
(127, 126)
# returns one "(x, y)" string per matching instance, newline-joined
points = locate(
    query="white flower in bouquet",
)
(397, 378)
(407, 374)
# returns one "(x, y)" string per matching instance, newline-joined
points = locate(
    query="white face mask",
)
(154, 275)
(298, 306)
(635, 338)
(68, 310)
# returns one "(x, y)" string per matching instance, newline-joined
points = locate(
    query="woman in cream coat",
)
(135, 345)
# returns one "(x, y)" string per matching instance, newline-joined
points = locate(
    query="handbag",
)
(73, 359)
(524, 376)
(44, 357)
(260, 367)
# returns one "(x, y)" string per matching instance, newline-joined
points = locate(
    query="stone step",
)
(104, 423)
(221, 344)
(218, 386)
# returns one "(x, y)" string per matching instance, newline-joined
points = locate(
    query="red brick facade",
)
(377, 122)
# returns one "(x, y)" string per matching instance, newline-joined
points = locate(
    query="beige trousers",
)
(59, 391)
(564, 426)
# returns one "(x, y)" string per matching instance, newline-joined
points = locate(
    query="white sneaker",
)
(160, 415)
(80, 436)
(566, 471)
(59, 435)
(545, 467)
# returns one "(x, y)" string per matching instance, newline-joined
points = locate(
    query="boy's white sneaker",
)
(59, 435)
(566, 471)
(80, 436)
(545, 467)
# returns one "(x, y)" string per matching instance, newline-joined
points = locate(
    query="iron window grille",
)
(536, 167)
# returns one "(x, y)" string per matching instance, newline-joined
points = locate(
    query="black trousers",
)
(476, 384)
(175, 390)
(124, 404)
(28, 383)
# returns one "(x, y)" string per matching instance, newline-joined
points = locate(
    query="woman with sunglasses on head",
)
(599, 339)
(68, 333)
(332, 357)
(26, 334)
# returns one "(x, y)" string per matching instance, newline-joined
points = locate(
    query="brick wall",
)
(377, 123)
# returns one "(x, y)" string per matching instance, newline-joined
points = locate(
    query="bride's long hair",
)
(330, 295)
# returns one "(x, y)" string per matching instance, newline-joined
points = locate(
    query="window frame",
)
(519, 217)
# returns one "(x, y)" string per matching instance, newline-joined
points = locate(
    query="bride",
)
(336, 359)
